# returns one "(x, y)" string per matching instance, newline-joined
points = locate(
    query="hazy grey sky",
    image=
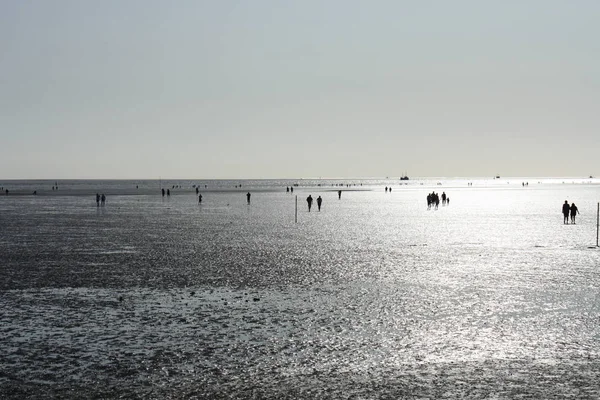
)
(267, 89)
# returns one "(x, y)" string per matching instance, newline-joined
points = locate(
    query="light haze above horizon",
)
(272, 89)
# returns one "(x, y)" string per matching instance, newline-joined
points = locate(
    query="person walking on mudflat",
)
(248, 197)
(574, 212)
(566, 209)
(309, 200)
(319, 201)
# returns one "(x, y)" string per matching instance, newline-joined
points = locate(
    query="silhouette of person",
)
(566, 209)
(163, 192)
(443, 198)
(199, 198)
(97, 200)
(390, 190)
(248, 197)
(339, 194)
(34, 192)
(309, 200)
(287, 189)
(6, 191)
(103, 198)
(168, 192)
(386, 189)
(292, 189)
(197, 190)
(574, 212)
(319, 201)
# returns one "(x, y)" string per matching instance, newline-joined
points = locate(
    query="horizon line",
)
(305, 178)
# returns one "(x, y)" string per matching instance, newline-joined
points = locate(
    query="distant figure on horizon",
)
(390, 190)
(168, 192)
(163, 192)
(443, 198)
(319, 201)
(248, 197)
(339, 194)
(287, 189)
(309, 200)
(34, 192)
(197, 190)
(97, 200)
(199, 198)
(574, 212)
(103, 198)
(6, 191)
(292, 189)
(386, 189)
(566, 209)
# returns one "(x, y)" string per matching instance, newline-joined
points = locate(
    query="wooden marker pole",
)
(296, 218)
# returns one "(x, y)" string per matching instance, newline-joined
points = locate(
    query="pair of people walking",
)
(571, 211)
(100, 200)
(309, 200)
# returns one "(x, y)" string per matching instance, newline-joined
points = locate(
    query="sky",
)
(132, 89)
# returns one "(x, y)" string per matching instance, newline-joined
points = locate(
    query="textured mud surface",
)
(374, 297)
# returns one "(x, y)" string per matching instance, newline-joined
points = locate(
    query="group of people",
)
(100, 200)
(309, 200)
(569, 210)
(433, 200)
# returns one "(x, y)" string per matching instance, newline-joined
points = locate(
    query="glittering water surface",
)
(373, 297)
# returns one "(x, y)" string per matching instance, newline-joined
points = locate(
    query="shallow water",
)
(373, 297)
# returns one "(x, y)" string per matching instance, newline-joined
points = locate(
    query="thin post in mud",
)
(597, 224)
(296, 217)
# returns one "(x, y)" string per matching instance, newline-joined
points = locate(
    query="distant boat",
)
(591, 177)
(404, 178)
(497, 177)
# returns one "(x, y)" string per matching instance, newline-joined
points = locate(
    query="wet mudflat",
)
(374, 297)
